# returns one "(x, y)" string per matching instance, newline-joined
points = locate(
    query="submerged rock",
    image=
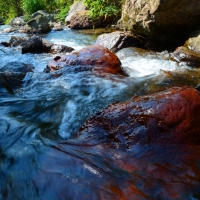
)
(168, 22)
(17, 67)
(186, 56)
(95, 58)
(170, 117)
(118, 40)
(12, 75)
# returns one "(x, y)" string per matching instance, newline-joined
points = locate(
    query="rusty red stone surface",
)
(170, 117)
(98, 58)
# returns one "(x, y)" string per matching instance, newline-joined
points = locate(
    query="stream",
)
(41, 158)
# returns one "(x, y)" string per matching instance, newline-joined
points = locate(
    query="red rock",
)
(96, 57)
(170, 117)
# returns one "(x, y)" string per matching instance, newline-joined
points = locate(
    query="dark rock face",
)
(16, 41)
(40, 22)
(95, 58)
(169, 22)
(56, 48)
(118, 40)
(82, 20)
(12, 75)
(36, 45)
(5, 44)
(186, 56)
(17, 67)
(170, 117)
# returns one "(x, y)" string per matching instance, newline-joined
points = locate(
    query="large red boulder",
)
(95, 58)
(170, 117)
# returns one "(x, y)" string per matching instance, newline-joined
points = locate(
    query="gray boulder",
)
(77, 6)
(168, 22)
(118, 40)
(16, 41)
(40, 22)
(18, 21)
(37, 44)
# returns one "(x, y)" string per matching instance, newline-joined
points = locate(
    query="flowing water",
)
(42, 158)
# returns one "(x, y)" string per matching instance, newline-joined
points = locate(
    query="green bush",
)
(104, 7)
(31, 6)
(63, 13)
(64, 9)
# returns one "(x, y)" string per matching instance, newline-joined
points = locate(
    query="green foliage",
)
(13, 8)
(64, 9)
(27, 18)
(104, 7)
(31, 6)
(10, 9)
(11, 15)
(63, 13)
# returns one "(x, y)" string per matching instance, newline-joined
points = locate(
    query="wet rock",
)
(77, 6)
(40, 22)
(5, 44)
(170, 117)
(56, 48)
(9, 30)
(186, 57)
(17, 67)
(82, 20)
(16, 41)
(12, 75)
(95, 57)
(57, 27)
(167, 22)
(198, 87)
(18, 21)
(36, 44)
(193, 43)
(118, 40)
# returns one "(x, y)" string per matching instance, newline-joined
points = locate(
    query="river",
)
(42, 159)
